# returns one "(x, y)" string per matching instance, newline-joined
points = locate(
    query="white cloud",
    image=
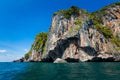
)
(2, 51)
(10, 57)
(25, 50)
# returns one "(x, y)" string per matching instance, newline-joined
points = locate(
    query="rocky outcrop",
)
(99, 59)
(76, 35)
(58, 60)
(38, 49)
(80, 38)
(35, 56)
(20, 60)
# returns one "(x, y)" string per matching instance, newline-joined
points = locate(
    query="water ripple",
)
(50, 71)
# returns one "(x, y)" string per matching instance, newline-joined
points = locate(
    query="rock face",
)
(20, 60)
(35, 56)
(58, 60)
(38, 48)
(81, 36)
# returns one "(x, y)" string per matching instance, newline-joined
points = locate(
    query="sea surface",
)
(65, 71)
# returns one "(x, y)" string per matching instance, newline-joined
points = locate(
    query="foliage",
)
(55, 13)
(117, 49)
(78, 25)
(105, 30)
(117, 3)
(116, 40)
(114, 4)
(72, 11)
(78, 22)
(97, 19)
(27, 55)
(67, 13)
(40, 42)
(78, 28)
(102, 11)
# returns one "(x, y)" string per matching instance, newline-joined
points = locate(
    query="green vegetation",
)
(67, 13)
(55, 13)
(117, 49)
(75, 10)
(116, 40)
(40, 42)
(105, 30)
(96, 16)
(78, 22)
(27, 55)
(117, 3)
(41, 38)
(78, 26)
(71, 11)
(114, 4)
(96, 19)
(102, 11)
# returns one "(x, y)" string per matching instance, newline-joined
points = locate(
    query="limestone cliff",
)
(78, 35)
(38, 48)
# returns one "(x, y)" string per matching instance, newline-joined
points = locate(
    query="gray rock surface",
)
(58, 60)
(83, 36)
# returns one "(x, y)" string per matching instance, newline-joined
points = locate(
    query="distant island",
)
(78, 36)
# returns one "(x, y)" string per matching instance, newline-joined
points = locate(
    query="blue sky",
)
(21, 20)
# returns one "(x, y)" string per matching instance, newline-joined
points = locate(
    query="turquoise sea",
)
(67, 71)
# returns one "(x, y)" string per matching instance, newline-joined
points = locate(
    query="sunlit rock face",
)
(78, 37)
(35, 56)
(111, 18)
